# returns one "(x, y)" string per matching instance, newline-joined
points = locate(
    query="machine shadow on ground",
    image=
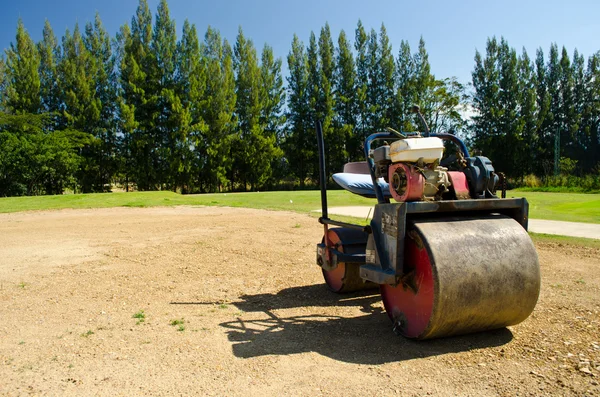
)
(366, 339)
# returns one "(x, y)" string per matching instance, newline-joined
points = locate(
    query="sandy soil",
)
(233, 304)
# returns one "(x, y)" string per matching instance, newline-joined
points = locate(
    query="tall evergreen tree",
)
(76, 82)
(50, 52)
(346, 107)
(424, 84)
(528, 152)
(138, 99)
(544, 120)
(374, 111)
(486, 99)
(248, 143)
(592, 114)
(568, 118)
(191, 88)
(219, 111)
(580, 111)
(125, 118)
(22, 94)
(553, 131)
(299, 147)
(387, 73)
(361, 40)
(335, 138)
(509, 125)
(104, 90)
(405, 91)
(313, 91)
(272, 94)
(440, 100)
(79, 105)
(2, 81)
(170, 127)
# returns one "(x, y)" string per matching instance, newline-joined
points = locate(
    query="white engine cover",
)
(412, 149)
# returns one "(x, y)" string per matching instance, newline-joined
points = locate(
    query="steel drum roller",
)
(462, 275)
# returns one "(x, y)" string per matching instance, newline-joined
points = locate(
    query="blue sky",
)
(452, 29)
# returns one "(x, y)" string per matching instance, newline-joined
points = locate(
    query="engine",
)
(412, 168)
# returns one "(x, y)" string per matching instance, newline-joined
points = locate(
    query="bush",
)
(532, 181)
(561, 183)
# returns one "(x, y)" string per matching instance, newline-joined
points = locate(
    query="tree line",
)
(149, 110)
(537, 116)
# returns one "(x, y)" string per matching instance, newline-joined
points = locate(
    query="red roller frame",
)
(335, 278)
(410, 306)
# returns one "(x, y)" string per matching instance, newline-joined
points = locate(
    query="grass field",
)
(573, 207)
(298, 201)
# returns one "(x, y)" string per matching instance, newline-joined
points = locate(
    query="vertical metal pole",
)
(557, 152)
(323, 183)
(322, 171)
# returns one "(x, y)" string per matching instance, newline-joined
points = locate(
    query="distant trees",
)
(151, 109)
(532, 116)
(357, 93)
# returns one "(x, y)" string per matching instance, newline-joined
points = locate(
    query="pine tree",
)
(50, 52)
(170, 127)
(569, 119)
(98, 44)
(299, 147)
(509, 126)
(22, 94)
(80, 107)
(580, 112)
(335, 138)
(191, 87)
(387, 73)
(125, 109)
(76, 73)
(2, 81)
(554, 74)
(346, 107)
(362, 79)
(424, 85)
(218, 113)
(440, 100)
(484, 129)
(544, 122)
(405, 92)
(374, 86)
(313, 81)
(138, 99)
(247, 145)
(592, 114)
(314, 95)
(528, 115)
(272, 98)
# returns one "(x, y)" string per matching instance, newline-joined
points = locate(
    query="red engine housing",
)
(406, 183)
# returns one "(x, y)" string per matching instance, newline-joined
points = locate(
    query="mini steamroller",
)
(449, 256)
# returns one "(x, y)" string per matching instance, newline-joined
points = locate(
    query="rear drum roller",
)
(463, 275)
(345, 277)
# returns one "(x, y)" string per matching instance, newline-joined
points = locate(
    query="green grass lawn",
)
(299, 201)
(574, 207)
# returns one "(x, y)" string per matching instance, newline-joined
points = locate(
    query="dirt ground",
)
(233, 304)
